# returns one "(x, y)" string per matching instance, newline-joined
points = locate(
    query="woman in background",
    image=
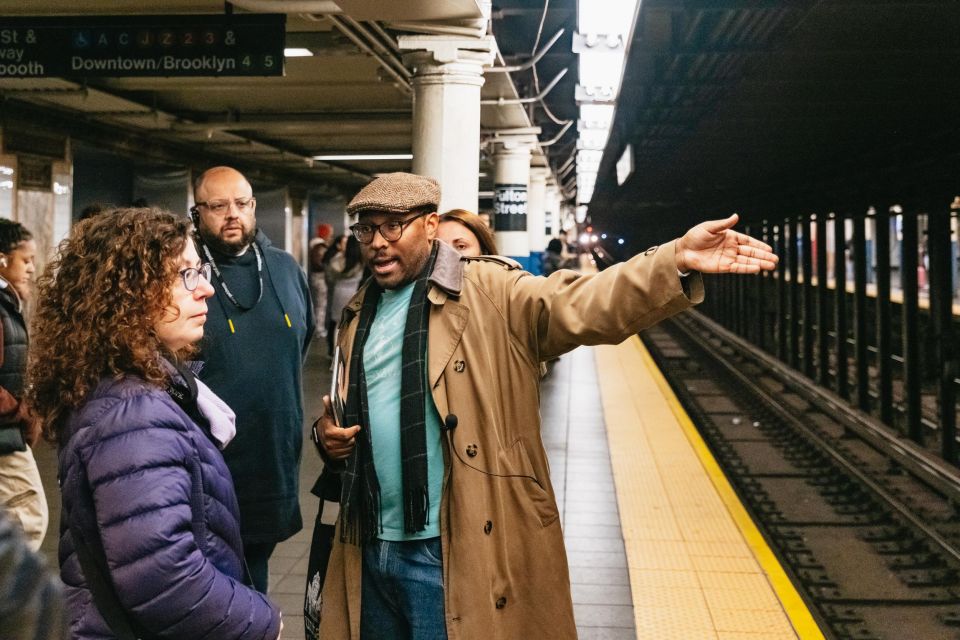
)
(21, 492)
(149, 536)
(467, 233)
(344, 274)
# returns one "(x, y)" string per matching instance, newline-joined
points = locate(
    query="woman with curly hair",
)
(467, 233)
(149, 536)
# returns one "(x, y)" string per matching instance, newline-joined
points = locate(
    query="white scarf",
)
(223, 421)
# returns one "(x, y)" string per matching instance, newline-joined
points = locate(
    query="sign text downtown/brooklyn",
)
(213, 64)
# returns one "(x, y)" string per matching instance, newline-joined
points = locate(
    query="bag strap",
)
(93, 563)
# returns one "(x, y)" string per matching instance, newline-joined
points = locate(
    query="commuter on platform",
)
(337, 245)
(467, 233)
(21, 492)
(318, 284)
(344, 273)
(257, 336)
(92, 210)
(31, 596)
(448, 521)
(149, 536)
(552, 259)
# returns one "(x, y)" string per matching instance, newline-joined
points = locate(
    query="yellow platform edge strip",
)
(793, 604)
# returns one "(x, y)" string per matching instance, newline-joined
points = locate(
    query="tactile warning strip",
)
(698, 566)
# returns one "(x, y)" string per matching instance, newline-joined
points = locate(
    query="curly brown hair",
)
(99, 300)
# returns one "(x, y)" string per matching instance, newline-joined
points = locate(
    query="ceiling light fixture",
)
(297, 52)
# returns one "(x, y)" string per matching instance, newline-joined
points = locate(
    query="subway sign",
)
(510, 207)
(153, 46)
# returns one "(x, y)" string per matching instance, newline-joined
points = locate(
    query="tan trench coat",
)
(491, 324)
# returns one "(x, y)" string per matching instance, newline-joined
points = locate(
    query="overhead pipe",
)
(566, 165)
(532, 61)
(66, 91)
(247, 125)
(552, 141)
(537, 98)
(355, 39)
(377, 45)
(518, 131)
(384, 36)
(317, 7)
(478, 30)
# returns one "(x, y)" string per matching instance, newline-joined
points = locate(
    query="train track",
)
(865, 523)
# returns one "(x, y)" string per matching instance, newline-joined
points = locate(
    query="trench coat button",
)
(472, 450)
(501, 602)
(487, 528)
(459, 366)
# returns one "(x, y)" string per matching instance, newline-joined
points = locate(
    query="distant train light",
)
(620, 241)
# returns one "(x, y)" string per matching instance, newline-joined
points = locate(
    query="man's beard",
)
(224, 247)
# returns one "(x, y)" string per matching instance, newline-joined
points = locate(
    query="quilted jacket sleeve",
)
(141, 473)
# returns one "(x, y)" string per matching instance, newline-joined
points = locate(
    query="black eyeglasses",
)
(219, 208)
(191, 276)
(391, 230)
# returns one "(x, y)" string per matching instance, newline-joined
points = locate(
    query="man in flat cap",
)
(448, 525)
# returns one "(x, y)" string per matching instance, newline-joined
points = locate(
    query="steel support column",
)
(861, 346)
(823, 297)
(909, 264)
(807, 263)
(941, 310)
(884, 346)
(840, 305)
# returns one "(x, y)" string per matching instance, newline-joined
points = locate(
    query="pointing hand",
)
(714, 247)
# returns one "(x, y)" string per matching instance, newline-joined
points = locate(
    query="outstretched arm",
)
(714, 247)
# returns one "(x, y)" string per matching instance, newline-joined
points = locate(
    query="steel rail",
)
(902, 451)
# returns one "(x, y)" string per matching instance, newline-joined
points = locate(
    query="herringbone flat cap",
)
(396, 193)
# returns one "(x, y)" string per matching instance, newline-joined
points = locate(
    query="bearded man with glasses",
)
(257, 334)
(448, 522)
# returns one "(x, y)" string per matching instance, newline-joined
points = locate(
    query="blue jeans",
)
(402, 591)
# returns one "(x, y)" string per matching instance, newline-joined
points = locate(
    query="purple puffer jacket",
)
(167, 516)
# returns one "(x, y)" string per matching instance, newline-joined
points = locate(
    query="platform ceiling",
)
(770, 107)
(341, 100)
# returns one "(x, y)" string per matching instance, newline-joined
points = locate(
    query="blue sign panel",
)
(126, 46)
(510, 207)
